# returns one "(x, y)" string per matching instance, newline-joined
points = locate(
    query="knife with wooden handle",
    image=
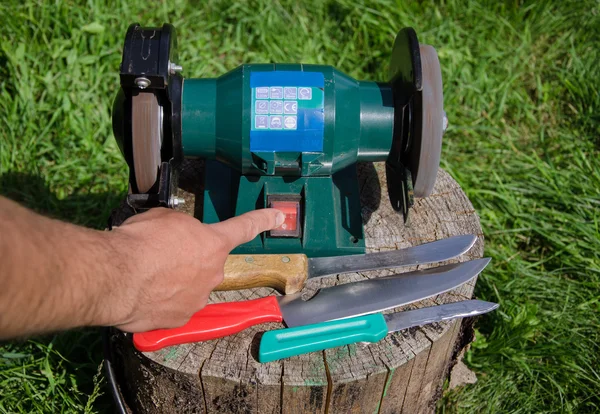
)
(288, 273)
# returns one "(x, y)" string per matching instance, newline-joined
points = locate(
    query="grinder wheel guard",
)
(280, 133)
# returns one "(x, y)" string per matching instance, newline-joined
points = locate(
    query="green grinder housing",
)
(287, 136)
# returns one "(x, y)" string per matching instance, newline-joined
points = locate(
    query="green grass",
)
(522, 92)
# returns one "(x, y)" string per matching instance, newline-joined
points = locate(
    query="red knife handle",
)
(213, 321)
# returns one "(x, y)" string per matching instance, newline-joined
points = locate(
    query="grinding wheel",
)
(146, 131)
(425, 150)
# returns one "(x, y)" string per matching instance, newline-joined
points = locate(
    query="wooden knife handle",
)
(285, 273)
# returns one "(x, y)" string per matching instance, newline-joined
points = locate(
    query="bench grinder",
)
(279, 135)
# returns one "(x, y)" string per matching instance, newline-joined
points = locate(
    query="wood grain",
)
(284, 273)
(402, 373)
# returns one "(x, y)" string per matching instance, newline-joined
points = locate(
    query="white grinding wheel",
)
(146, 137)
(425, 155)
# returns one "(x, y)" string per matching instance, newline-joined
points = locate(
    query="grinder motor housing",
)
(279, 135)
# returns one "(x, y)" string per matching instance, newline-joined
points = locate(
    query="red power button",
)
(291, 225)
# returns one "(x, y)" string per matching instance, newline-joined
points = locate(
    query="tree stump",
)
(402, 373)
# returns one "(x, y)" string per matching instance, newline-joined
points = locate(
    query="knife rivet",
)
(285, 259)
(249, 259)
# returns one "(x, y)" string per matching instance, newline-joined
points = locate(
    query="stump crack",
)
(329, 383)
(202, 379)
(281, 387)
(385, 386)
(184, 358)
(388, 377)
(420, 381)
(203, 388)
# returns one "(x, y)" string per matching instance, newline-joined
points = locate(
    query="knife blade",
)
(285, 343)
(288, 273)
(341, 301)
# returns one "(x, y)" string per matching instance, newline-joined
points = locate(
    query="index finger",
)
(242, 229)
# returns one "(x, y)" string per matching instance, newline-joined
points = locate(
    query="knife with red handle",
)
(336, 302)
(213, 321)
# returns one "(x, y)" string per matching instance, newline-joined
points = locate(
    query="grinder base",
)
(330, 210)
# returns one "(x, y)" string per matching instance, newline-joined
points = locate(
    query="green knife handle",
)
(284, 343)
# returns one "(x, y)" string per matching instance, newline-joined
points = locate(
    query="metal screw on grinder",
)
(174, 68)
(174, 202)
(142, 82)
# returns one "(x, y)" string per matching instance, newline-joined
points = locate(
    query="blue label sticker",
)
(287, 111)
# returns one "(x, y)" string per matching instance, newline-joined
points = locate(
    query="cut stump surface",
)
(402, 373)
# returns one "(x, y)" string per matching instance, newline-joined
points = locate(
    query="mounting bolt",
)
(174, 202)
(142, 82)
(174, 68)
(285, 259)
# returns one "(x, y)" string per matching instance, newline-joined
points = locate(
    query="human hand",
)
(170, 263)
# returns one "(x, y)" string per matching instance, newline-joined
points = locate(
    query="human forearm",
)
(154, 271)
(51, 272)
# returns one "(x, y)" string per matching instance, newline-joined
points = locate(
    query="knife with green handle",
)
(285, 343)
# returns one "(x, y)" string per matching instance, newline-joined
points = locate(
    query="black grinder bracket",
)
(406, 79)
(148, 66)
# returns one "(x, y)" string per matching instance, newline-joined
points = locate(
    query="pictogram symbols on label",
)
(276, 122)
(276, 107)
(276, 92)
(290, 107)
(305, 93)
(290, 92)
(286, 110)
(261, 122)
(262, 93)
(261, 107)
(290, 122)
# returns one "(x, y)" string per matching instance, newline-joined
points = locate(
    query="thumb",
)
(242, 229)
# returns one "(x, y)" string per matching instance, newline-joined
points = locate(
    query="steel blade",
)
(376, 295)
(418, 317)
(433, 252)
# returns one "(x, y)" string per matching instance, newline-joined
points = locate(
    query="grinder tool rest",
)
(279, 135)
